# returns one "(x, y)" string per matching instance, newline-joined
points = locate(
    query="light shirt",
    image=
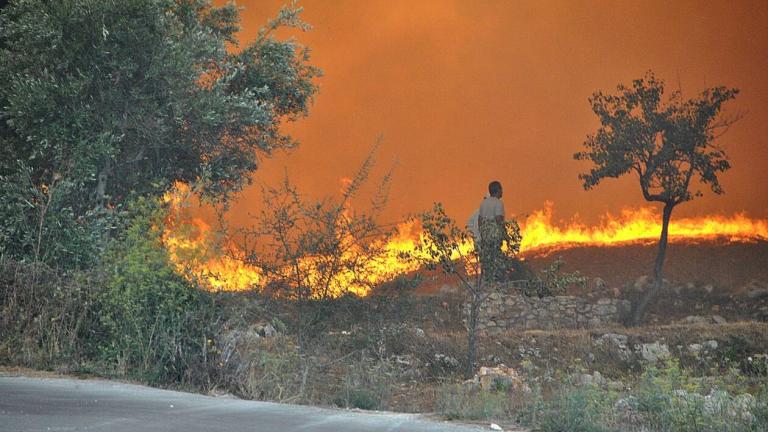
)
(490, 208)
(473, 224)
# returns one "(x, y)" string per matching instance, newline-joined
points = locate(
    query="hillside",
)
(727, 266)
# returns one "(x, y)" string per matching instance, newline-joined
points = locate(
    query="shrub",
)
(576, 410)
(367, 384)
(153, 321)
(46, 318)
(668, 399)
(459, 402)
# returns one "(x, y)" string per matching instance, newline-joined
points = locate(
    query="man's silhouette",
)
(492, 233)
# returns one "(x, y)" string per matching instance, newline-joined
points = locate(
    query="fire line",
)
(193, 248)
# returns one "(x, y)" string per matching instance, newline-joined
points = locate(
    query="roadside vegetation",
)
(106, 105)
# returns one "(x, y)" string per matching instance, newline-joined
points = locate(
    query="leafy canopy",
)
(104, 99)
(667, 143)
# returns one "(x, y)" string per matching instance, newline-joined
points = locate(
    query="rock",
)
(492, 359)
(641, 283)
(599, 283)
(594, 322)
(596, 379)
(757, 293)
(619, 340)
(720, 403)
(742, 407)
(446, 361)
(710, 345)
(762, 313)
(702, 320)
(265, 330)
(495, 427)
(603, 301)
(404, 360)
(695, 320)
(500, 377)
(653, 352)
(628, 403)
(585, 379)
(717, 319)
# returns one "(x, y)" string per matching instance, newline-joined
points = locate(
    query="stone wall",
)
(502, 311)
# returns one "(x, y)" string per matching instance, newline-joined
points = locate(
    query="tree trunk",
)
(658, 268)
(469, 371)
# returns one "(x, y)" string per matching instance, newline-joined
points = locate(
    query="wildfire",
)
(636, 225)
(196, 251)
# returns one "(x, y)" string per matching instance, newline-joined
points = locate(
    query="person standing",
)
(492, 233)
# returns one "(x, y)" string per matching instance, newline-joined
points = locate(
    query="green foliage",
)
(105, 99)
(459, 403)
(552, 281)
(40, 224)
(46, 319)
(275, 374)
(669, 399)
(441, 247)
(666, 143)
(666, 398)
(367, 384)
(576, 410)
(153, 321)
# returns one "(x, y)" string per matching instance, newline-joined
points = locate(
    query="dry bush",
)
(46, 318)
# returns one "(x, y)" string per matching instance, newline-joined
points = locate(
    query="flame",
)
(636, 225)
(196, 251)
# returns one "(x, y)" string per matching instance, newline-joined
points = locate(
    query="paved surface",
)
(56, 404)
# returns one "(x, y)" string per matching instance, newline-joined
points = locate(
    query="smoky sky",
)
(465, 92)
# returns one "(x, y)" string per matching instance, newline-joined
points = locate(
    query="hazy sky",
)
(465, 92)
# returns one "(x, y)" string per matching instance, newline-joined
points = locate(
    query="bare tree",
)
(311, 251)
(444, 245)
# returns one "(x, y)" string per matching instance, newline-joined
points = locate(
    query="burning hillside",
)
(198, 251)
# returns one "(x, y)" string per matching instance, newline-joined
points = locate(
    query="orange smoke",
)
(197, 252)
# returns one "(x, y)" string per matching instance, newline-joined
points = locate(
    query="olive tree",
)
(670, 144)
(101, 100)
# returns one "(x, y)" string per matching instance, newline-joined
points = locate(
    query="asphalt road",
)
(57, 404)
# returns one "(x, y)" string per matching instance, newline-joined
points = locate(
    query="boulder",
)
(703, 320)
(694, 320)
(264, 330)
(653, 352)
(585, 379)
(756, 289)
(446, 361)
(500, 377)
(757, 293)
(717, 319)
